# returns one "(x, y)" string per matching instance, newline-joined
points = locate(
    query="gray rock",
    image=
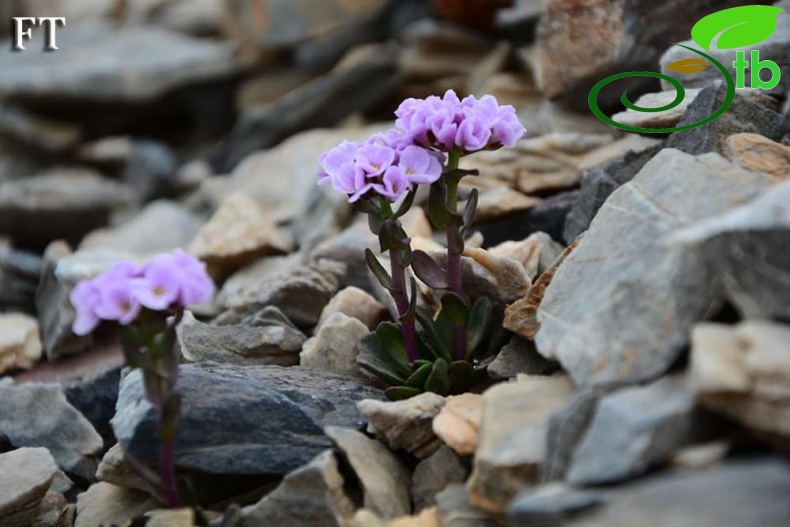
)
(41, 133)
(356, 303)
(114, 469)
(406, 424)
(633, 430)
(384, 480)
(550, 505)
(628, 263)
(434, 474)
(27, 474)
(320, 103)
(745, 492)
(743, 372)
(311, 496)
(520, 356)
(748, 250)
(566, 429)
(62, 204)
(513, 438)
(334, 348)
(38, 415)
(98, 62)
(269, 338)
(597, 185)
(19, 274)
(281, 413)
(348, 247)
(300, 293)
(744, 115)
(151, 170)
(93, 395)
(455, 509)
(775, 48)
(143, 234)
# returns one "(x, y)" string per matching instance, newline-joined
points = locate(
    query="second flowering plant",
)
(439, 352)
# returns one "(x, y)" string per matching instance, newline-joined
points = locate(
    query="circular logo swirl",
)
(680, 95)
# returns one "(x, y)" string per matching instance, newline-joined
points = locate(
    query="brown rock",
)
(521, 316)
(356, 303)
(406, 425)
(20, 346)
(760, 154)
(239, 232)
(458, 422)
(427, 518)
(106, 504)
(513, 438)
(501, 201)
(536, 253)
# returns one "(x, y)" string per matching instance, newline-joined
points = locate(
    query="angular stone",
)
(407, 424)
(567, 427)
(743, 372)
(270, 404)
(27, 474)
(106, 504)
(628, 263)
(502, 201)
(50, 135)
(93, 392)
(266, 339)
(144, 233)
(665, 119)
(427, 518)
(744, 115)
(434, 474)
(499, 278)
(355, 303)
(19, 274)
(597, 185)
(745, 492)
(513, 438)
(20, 346)
(62, 204)
(517, 357)
(170, 518)
(458, 422)
(114, 469)
(252, 276)
(747, 249)
(311, 495)
(619, 36)
(633, 430)
(759, 154)
(456, 509)
(239, 232)
(550, 505)
(384, 480)
(301, 294)
(100, 62)
(335, 346)
(536, 253)
(38, 415)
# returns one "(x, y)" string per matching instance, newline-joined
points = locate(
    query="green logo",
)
(737, 27)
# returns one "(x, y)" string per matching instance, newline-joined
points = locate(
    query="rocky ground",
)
(647, 278)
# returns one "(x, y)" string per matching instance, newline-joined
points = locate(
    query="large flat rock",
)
(620, 308)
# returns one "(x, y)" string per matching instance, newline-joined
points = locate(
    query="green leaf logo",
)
(737, 27)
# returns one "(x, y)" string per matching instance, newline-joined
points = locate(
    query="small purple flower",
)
(419, 166)
(194, 284)
(157, 288)
(393, 185)
(85, 297)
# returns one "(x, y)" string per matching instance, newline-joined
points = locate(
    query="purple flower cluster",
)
(394, 162)
(385, 165)
(469, 125)
(120, 293)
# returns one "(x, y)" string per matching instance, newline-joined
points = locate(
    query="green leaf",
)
(439, 380)
(469, 209)
(478, 325)
(428, 270)
(399, 393)
(420, 376)
(375, 366)
(406, 204)
(375, 222)
(737, 27)
(411, 313)
(378, 270)
(393, 344)
(454, 306)
(433, 338)
(437, 206)
(461, 376)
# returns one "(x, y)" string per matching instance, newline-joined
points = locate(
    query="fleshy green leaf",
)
(439, 380)
(461, 376)
(399, 393)
(437, 207)
(393, 345)
(428, 270)
(408, 201)
(737, 27)
(454, 306)
(420, 376)
(378, 270)
(469, 209)
(433, 337)
(478, 325)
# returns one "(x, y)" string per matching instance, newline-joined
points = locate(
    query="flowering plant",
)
(148, 302)
(430, 137)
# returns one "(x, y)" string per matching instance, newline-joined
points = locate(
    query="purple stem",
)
(168, 469)
(401, 298)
